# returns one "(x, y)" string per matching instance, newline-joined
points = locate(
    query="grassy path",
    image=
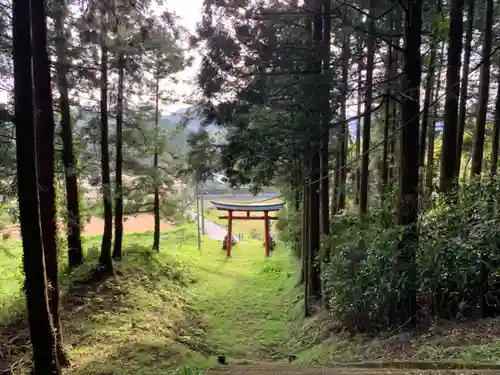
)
(253, 313)
(247, 301)
(184, 307)
(273, 369)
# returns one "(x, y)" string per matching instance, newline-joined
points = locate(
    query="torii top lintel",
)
(249, 207)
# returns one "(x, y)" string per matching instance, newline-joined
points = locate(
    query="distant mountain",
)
(185, 121)
(178, 124)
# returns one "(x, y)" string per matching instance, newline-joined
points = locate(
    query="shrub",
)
(288, 226)
(457, 262)
(254, 234)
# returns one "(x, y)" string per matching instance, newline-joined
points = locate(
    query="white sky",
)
(190, 13)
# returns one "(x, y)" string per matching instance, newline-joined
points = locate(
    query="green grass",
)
(247, 301)
(181, 308)
(164, 311)
(11, 301)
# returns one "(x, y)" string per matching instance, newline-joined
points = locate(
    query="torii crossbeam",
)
(248, 208)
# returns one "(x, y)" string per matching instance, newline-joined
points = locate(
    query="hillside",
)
(184, 121)
(184, 307)
(178, 124)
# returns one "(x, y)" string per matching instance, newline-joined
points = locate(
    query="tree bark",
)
(393, 145)
(387, 117)
(117, 248)
(315, 205)
(429, 85)
(448, 154)
(314, 223)
(322, 31)
(478, 140)
(336, 184)
(75, 252)
(365, 160)
(484, 87)
(343, 117)
(305, 244)
(358, 122)
(156, 208)
(45, 157)
(105, 260)
(432, 130)
(408, 209)
(42, 335)
(462, 107)
(496, 131)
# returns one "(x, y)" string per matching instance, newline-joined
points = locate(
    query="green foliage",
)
(364, 280)
(187, 371)
(358, 278)
(288, 226)
(202, 156)
(254, 234)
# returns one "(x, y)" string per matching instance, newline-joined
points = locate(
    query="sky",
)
(190, 13)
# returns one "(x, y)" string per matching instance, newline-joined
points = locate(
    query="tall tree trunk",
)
(304, 244)
(387, 115)
(484, 87)
(396, 79)
(462, 107)
(105, 258)
(432, 130)
(365, 161)
(496, 130)
(117, 249)
(75, 253)
(45, 154)
(358, 121)
(314, 223)
(43, 339)
(478, 141)
(305, 251)
(334, 189)
(343, 144)
(297, 183)
(322, 31)
(156, 208)
(429, 85)
(336, 184)
(448, 154)
(408, 209)
(315, 205)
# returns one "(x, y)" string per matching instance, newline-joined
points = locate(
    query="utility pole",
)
(202, 210)
(198, 216)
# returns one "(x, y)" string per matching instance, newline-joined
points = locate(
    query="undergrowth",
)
(137, 322)
(176, 311)
(457, 262)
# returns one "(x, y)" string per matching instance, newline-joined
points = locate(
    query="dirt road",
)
(212, 230)
(131, 224)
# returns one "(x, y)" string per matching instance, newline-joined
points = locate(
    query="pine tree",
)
(75, 253)
(105, 260)
(45, 159)
(42, 335)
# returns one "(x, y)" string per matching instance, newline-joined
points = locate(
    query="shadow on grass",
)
(142, 303)
(146, 359)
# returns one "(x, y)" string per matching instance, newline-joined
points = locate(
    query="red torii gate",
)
(249, 207)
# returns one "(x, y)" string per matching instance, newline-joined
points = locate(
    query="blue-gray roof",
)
(248, 207)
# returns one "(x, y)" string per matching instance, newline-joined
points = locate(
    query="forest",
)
(380, 124)
(378, 121)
